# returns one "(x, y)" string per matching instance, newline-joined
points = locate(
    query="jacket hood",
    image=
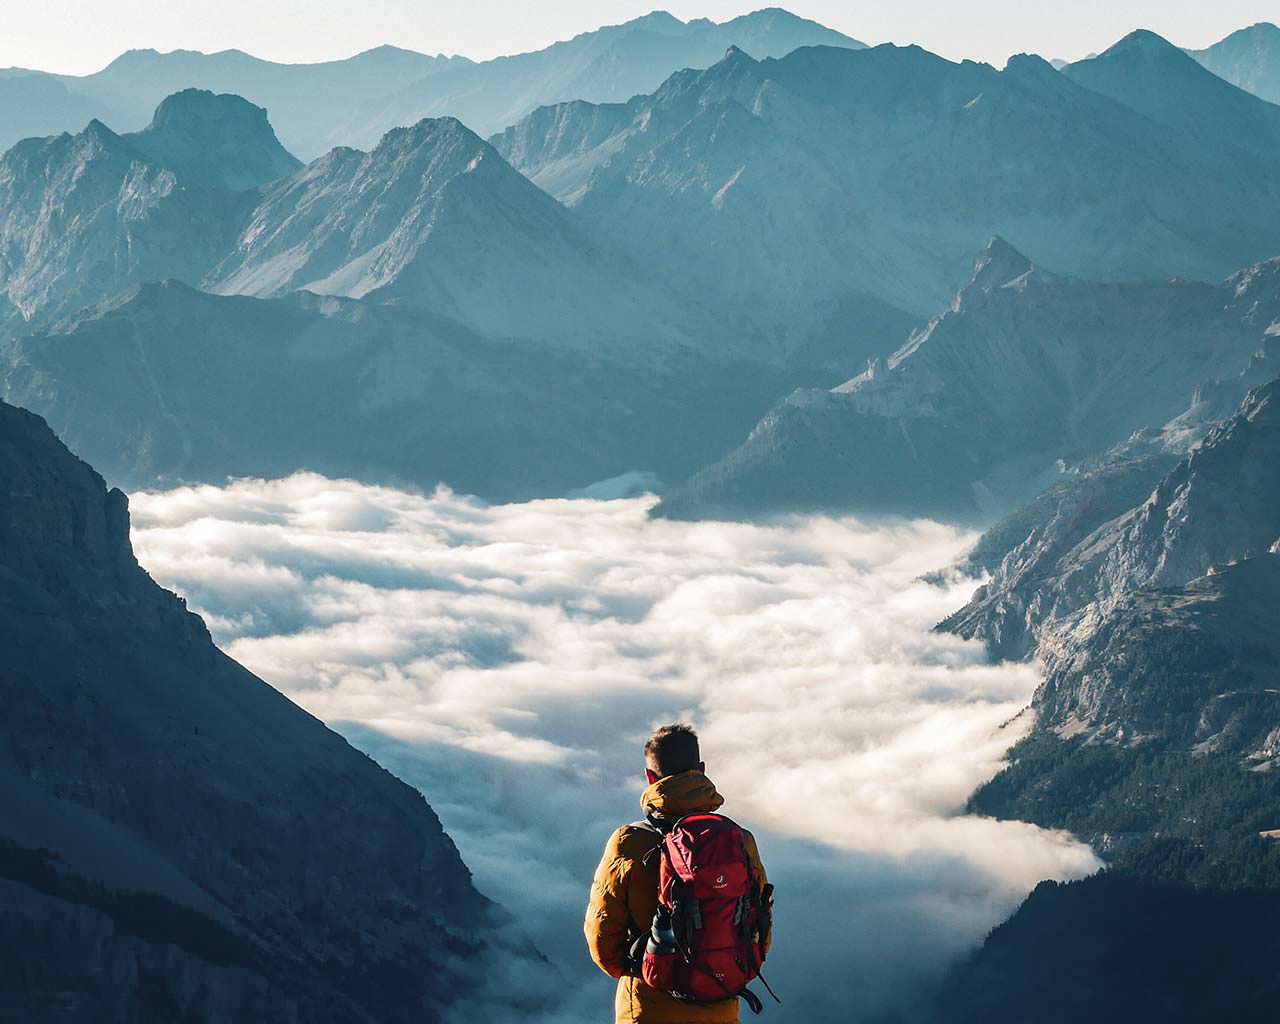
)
(677, 795)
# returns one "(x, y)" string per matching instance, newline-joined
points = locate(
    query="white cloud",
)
(509, 661)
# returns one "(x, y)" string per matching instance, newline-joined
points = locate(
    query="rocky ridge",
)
(1026, 374)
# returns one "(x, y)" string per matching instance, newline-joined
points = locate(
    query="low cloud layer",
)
(509, 661)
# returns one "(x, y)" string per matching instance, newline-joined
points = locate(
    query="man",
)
(624, 894)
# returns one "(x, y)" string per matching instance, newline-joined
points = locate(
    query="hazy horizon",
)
(61, 37)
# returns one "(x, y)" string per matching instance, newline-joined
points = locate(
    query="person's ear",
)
(651, 775)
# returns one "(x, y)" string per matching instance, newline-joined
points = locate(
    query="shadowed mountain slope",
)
(174, 384)
(178, 840)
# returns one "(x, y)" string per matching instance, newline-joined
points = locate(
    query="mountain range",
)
(835, 192)
(475, 300)
(354, 102)
(177, 840)
(433, 217)
(778, 222)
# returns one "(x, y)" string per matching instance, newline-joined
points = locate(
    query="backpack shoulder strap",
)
(658, 833)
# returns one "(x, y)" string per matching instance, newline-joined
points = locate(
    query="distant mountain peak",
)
(657, 19)
(189, 107)
(427, 131)
(1142, 40)
(1029, 62)
(736, 54)
(95, 129)
(1248, 58)
(770, 14)
(997, 265)
(1261, 28)
(221, 140)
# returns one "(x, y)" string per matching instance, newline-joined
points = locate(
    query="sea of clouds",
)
(510, 660)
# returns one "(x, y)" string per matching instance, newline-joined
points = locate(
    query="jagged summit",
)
(89, 214)
(430, 130)
(997, 265)
(97, 131)
(434, 217)
(218, 140)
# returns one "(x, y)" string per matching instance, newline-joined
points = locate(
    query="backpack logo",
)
(720, 882)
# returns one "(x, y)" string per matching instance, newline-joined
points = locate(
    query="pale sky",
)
(80, 36)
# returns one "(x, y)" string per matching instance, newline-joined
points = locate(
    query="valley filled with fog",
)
(508, 660)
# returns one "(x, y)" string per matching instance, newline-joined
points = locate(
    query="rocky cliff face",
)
(1105, 535)
(1156, 738)
(178, 840)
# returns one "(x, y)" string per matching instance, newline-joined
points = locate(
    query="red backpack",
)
(712, 924)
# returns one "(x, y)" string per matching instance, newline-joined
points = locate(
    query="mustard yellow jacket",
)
(624, 896)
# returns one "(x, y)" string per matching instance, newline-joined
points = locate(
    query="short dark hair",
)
(673, 749)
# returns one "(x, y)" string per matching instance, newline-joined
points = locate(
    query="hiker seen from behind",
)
(681, 911)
